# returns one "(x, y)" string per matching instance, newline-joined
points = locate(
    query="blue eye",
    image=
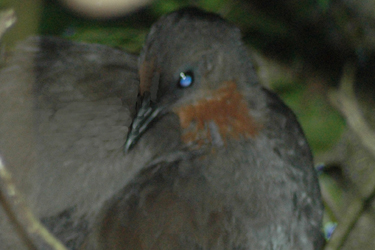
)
(186, 79)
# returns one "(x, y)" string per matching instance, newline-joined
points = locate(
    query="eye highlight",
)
(186, 79)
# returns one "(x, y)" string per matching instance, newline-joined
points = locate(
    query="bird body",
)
(230, 166)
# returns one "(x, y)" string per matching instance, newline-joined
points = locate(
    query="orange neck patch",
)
(226, 107)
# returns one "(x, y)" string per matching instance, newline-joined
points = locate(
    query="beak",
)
(147, 113)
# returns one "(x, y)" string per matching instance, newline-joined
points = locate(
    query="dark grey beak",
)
(145, 115)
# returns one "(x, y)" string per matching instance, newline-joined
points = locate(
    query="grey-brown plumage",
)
(228, 166)
(64, 114)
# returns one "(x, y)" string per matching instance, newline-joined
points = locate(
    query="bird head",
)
(195, 64)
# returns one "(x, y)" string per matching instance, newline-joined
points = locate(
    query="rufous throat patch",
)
(226, 107)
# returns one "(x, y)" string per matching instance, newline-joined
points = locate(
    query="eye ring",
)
(186, 79)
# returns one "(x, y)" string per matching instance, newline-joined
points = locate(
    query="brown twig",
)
(30, 229)
(345, 101)
(37, 235)
(7, 19)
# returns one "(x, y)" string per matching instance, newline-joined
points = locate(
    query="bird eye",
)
(186, 79)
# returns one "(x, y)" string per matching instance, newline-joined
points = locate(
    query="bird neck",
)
(220, 116)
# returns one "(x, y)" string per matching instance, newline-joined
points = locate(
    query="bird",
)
(228, 165)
